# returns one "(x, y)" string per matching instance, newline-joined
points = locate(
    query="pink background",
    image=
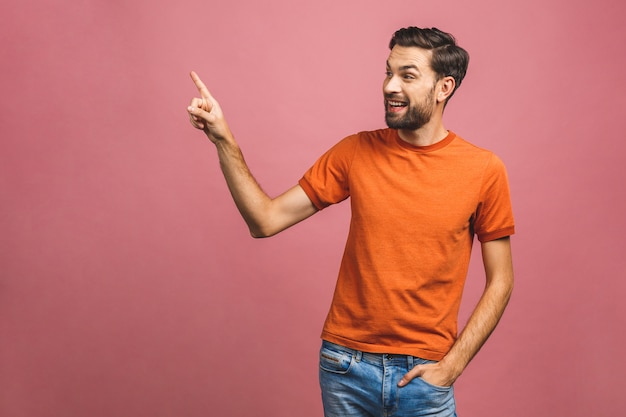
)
(129, 285)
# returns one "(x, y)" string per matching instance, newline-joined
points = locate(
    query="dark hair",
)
(448, 59)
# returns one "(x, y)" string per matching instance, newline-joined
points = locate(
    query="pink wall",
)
(129, 285)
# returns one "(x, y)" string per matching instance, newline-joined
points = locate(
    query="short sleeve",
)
(327, 181)
(494, 214)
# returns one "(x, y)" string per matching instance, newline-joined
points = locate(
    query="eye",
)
(408, 76)
(388, 74)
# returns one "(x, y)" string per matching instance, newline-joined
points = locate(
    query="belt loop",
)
(358, 355)
(409, 362)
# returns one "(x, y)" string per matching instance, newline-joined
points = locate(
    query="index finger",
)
(204, 92)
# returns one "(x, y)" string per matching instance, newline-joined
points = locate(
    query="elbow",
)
(259, 228)
(510, 289)
(507, 293)
(259, 232)
(506, 288)
(501, 287)
(258, 235)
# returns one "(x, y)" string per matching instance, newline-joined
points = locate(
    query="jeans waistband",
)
(381, 358)
(388, 359)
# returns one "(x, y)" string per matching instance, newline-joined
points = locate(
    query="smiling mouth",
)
(395, 105)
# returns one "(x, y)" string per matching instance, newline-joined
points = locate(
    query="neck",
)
(427, 135)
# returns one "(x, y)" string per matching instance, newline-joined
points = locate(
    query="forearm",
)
(498, 264)
(479, 327)
(251, 201)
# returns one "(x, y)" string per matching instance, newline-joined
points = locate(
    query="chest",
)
(431, 194)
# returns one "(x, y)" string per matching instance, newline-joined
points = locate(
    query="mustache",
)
(395, 97)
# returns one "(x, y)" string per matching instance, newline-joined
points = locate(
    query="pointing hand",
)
(205, 113)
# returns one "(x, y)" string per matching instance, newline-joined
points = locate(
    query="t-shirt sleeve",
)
(327, 181)
(494, 214)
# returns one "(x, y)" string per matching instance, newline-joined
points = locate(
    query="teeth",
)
(396, 103)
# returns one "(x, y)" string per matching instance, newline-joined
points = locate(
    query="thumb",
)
(417, 371)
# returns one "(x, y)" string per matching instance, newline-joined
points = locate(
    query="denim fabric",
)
(364, 384)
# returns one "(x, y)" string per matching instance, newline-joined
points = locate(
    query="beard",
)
(415, 116)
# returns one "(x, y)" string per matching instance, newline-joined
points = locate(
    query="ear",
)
(445, 88)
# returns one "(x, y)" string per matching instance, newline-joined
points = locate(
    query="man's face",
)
(409, 88)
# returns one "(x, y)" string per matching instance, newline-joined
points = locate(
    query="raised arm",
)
(264, 216)
(499, 274)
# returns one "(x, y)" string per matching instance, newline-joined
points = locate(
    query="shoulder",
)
(363, 139)
(373, 138)
(379, 134)
(485, 157)
(468, 146)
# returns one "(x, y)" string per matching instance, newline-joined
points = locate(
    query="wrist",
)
(225, 143)
(452, 367)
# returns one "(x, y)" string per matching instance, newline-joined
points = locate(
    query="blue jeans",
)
(364, 384)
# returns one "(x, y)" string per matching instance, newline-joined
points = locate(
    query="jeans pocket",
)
(427, 399)
(432, 386)
(334, 359)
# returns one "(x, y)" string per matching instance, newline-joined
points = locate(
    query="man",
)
(419, 194)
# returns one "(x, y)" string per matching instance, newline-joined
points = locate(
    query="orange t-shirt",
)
(415, 211)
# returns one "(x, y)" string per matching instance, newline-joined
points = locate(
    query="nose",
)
(391, 85)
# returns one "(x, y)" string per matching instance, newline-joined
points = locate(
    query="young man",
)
(419, 194)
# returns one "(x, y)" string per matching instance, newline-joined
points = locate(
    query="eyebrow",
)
(406, 67)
